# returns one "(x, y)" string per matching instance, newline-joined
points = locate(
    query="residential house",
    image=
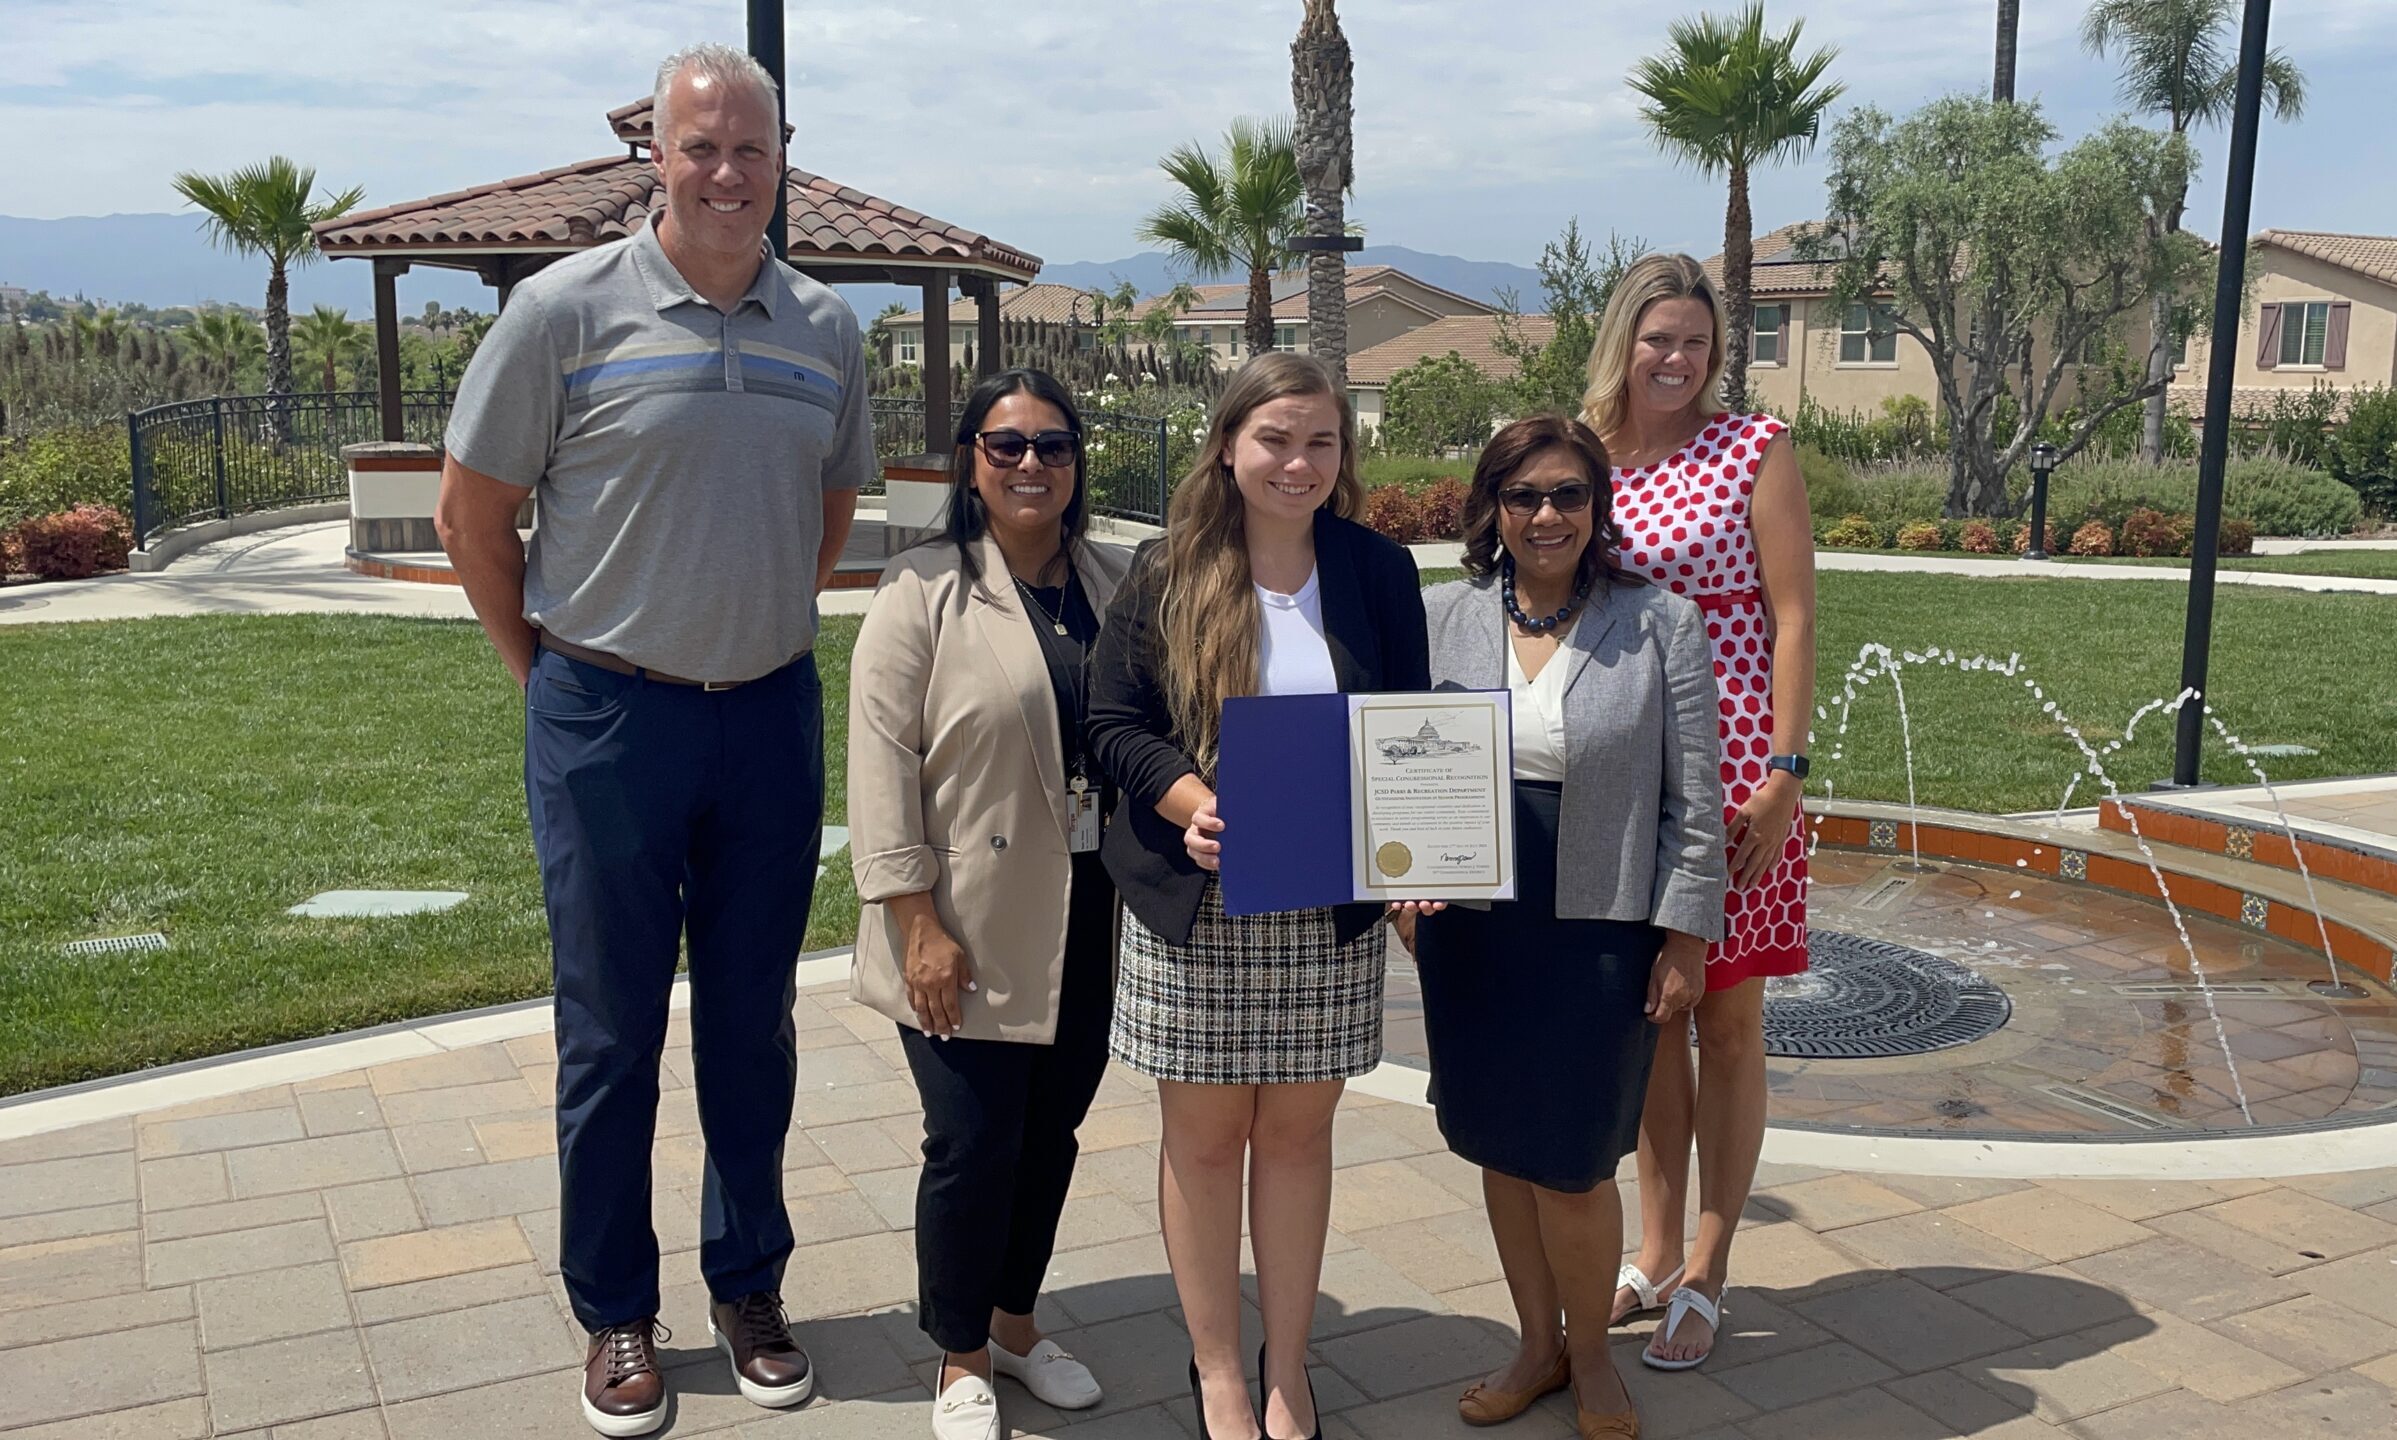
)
(1054, 304)
(1473, 337)
(13, 298)
(1383, 302)
(2324, 312)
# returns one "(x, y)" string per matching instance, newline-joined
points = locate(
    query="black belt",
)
(622, 666)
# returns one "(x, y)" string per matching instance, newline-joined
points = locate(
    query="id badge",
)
(1082, 808)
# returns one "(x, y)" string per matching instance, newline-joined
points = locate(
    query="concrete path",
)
(372, 1252)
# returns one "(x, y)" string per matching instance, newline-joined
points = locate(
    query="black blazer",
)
(1373, 624)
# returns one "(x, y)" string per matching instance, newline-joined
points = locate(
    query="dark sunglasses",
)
(1570, 498)
(1053, 448)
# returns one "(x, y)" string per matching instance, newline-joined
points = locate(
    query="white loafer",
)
(1053, 1377)
(967, 1410)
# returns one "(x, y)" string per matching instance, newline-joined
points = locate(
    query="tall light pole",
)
(2222, 358)
(765, 46)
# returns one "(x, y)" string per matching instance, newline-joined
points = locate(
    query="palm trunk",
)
(1738, 262)
(1321, 80)
(2009, 24)
(1259, 320)
(278, 332)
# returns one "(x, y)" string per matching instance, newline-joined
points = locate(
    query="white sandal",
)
(1650, 1292)
(1685, 1301)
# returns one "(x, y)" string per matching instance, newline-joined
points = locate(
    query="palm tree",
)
(330, 335)
(268, 210)
(2009, 26)
(1321, 86)
(1724, 98)
(223, 341)
(1236, 213)
(2180, 60)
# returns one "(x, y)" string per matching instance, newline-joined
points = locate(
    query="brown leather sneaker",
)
(624, 1392)
(768, 1364)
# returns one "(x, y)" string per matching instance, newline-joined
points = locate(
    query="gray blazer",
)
(1641, 830)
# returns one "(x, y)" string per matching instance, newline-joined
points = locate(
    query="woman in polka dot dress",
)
(1713, 505)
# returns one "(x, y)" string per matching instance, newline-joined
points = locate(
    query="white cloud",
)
(1479, 127)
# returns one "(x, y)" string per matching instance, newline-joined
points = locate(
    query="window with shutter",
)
(2267, 336)
(1765, 348)
(2304, 332)
(2334, 340)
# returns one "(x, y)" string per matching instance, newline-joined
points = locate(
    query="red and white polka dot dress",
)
(1685, 525)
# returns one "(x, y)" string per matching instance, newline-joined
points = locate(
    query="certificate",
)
(1332, 799)
(1432, 808)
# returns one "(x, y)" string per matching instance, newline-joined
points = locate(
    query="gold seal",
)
(1394, 859)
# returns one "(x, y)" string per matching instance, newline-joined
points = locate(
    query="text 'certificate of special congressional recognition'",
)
(1432, 795)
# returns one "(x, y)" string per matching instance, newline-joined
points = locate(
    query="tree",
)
(1321, 84)
(268, 210)
(223, 342)
(1236, 213)
(2179, 60)
(329, 334)
(1725, 98)
(2009, 26)
(1550, 375)
(1989, 250)
(1439, 403)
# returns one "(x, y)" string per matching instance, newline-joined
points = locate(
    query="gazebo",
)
(507, 229)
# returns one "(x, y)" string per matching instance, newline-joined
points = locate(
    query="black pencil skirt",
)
(1540, 1046)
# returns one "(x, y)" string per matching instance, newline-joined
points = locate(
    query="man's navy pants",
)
(662, 812)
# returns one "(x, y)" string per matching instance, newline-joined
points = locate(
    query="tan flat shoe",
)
(1621, 1425)
(1484, 1405)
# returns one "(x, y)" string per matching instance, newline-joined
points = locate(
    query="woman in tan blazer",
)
(987, 924)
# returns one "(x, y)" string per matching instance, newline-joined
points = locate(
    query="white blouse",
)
(1292, 656)
(1539, 716)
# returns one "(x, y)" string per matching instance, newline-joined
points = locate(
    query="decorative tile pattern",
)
(2073, 864)
(1883, 835)
(2255, 911)
(2239, 842)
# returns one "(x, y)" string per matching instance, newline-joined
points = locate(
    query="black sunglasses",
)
(1570, 498)
(1053, 448)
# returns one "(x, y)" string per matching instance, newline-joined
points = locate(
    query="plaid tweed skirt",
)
(1251, 1000)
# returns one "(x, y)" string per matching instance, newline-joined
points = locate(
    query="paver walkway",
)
(372, 1254)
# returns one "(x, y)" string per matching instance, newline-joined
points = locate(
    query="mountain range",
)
(163, 259)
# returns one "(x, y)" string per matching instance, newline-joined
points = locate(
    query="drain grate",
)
(2097, 1102)
(1862, 999)
(116, 944)
(2177, 989)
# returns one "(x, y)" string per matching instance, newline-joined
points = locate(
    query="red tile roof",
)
(1049, 303)
(2371, 255)
(634, 123)
(1475, 337)
(594, 201)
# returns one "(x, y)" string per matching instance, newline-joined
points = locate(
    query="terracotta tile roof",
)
(1776, 268)
(2371, 255)
(1474, 337)
(1052, 304)
(634, 123)
(1219, 303)
(594, 201)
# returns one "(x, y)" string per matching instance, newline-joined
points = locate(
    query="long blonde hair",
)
(1651, 278)
(1208, 608)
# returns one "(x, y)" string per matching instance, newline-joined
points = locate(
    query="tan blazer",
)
(957, 784)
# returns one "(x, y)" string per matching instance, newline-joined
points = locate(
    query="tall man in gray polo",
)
(692, 415)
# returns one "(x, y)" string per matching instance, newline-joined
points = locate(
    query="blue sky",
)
(1480, 127)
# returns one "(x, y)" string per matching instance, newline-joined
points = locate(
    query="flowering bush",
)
(74, 544)
(2092, 539)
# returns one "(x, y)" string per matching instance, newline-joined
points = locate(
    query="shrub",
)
(1919, 535)
(2093, 538)
(57, 470)
(2237, 537)
(74, 544)
(1438, 403)
(1979, 537)
(2151, 532)
(1853, 533)
(2281, 498)
(1440, 507)
(1395, 513)
(2365, 454)
(2022, 539)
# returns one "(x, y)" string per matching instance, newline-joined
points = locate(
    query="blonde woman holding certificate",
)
(1542, 1012)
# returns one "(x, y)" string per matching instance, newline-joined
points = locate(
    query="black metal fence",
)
(1127, 456)
(232, 454)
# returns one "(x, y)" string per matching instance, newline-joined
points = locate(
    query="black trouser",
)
(999, 1147)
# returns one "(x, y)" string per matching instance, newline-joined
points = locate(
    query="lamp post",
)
(2043, 464)
(765, 46)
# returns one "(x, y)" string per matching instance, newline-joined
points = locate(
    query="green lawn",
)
(2355, 564)
(199, 776)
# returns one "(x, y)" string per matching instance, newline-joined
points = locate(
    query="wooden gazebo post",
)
(937, 440)
(988, 360)
(387, 356)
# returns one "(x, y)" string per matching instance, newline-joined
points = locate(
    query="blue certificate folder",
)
(1282, 777)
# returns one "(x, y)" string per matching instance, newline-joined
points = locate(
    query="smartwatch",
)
(1794, 764)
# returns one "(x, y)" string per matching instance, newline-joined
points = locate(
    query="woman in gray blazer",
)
(1541, 1012)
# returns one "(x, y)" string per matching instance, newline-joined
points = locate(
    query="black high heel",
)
(1198, 1401)
(1264, 1391)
